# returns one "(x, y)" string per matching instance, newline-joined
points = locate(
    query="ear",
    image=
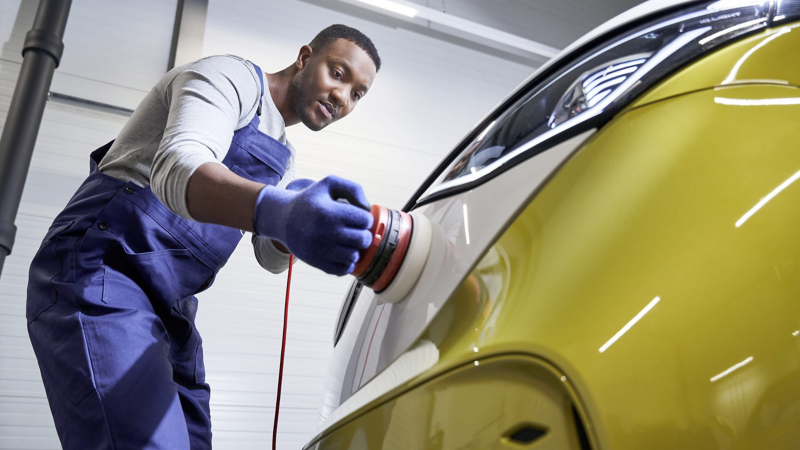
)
(303, 57)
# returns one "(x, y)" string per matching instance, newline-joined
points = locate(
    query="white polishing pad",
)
(411, 268)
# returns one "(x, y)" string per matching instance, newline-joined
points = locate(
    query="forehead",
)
(361, 66)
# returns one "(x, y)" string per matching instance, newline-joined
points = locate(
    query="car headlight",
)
(586, 90)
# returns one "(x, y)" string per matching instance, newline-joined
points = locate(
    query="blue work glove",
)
(299, 184)
(313, 225)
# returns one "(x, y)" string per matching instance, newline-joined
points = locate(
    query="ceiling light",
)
(392, 6)
(449, 22)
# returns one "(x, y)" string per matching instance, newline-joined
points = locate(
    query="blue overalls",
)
(111, 307)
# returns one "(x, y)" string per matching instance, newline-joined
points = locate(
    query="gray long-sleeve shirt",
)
(187, 120)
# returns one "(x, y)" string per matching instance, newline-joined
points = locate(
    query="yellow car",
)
(615, 260)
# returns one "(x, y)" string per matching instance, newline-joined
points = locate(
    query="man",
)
(202, 159)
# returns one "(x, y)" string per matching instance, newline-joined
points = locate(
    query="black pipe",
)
(41, 55)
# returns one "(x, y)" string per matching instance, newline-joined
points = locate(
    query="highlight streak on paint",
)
(734, 367)
(466, 224)
(769, 197)
(732, 76)
(757, 101)
(630, 324)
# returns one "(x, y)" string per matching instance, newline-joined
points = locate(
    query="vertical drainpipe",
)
(41, 54)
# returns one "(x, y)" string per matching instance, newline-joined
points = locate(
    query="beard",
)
(302, 102)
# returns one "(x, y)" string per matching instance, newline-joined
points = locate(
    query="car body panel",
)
(391, 329)
(640, 213)
(478, 405)
(654, 244)
(759, 59)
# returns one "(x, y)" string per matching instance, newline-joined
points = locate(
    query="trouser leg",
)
(189, 372)
(108, 374)
(58, 342)
(197, 414)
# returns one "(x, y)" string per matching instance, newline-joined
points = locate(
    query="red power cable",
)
(283, 350)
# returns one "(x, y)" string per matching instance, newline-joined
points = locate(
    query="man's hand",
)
(295, 185)
(299, 184)
(305, 219)
(314, 225)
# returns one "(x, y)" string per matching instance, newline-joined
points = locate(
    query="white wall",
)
(427, 96)
(115, 50)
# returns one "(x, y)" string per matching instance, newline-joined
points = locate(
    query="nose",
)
(340, 98)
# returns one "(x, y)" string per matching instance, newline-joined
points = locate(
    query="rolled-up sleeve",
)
(206, 103)
(267, 255)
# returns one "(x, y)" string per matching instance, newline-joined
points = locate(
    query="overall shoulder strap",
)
(261, 79)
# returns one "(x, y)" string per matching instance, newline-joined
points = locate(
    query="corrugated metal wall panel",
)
(114, 52)
(113, 49)
(428, 94)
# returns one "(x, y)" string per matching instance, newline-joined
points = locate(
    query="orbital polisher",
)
(390, 266)
(394, 260)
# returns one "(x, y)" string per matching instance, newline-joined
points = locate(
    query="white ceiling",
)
(555, 23)
(552, 22)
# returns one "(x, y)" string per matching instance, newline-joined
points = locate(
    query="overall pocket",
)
(47, 266)
(165, 276)
(242, 173)
(260, 165)
(55, 230)
(58, 339)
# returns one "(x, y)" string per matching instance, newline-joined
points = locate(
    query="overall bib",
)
(111, 307)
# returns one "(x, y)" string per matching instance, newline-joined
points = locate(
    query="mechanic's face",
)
(330, 82)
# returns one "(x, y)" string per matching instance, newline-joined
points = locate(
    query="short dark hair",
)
(338, 31)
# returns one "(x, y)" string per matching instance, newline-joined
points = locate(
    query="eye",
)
(337, 74)
(357, 95)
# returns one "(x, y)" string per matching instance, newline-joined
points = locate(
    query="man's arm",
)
(217, 195)
(207, 101)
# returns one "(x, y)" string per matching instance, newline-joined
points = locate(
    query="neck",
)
(280, 86)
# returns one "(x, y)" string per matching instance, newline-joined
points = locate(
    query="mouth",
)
(327, 110)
